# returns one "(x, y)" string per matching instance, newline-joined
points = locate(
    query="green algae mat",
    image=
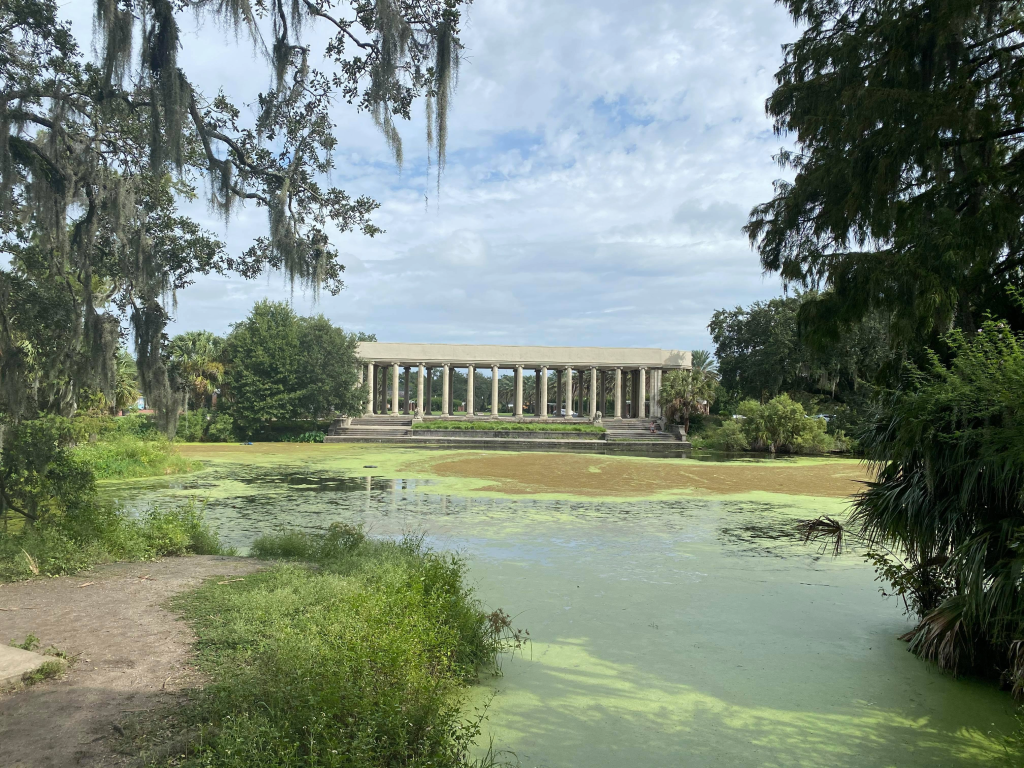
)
(676, 617)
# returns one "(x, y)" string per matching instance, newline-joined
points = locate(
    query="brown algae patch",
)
(619, 476)
(556, 474)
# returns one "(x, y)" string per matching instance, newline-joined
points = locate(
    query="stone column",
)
(428, 406)
(568, 392)
(559, 389)
(642, 389)
(419, 392)
(519, 391)
(470, 393)
(405, 390)
(494, 390)
(617, 408)
(369, 378)
(542, 401)
(394, 389)
(446, 385)
(593, 393)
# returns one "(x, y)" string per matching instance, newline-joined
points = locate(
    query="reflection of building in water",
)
(587, 379)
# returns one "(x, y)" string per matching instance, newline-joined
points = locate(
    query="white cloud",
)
(602, 159)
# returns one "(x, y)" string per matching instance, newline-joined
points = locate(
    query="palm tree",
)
(194, 358)
(126, 388)
(688, 391)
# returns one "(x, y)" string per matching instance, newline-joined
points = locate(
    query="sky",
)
(602, 159)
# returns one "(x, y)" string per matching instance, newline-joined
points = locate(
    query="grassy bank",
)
(509, 426)
(71, 543)
(357, 661)
(126, 447)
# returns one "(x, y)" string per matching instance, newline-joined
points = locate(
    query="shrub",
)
(728, 437)
(221, 429)
(782, 425)
(122, 456)
(96, 534)
(355, 663)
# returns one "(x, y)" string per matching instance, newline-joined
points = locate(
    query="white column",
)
(445, 389)
(419, 391)
(394, 389)
(519, 391)
(494, 390)
(642, 396)
(568, 392)
(470, 374)
(542, 409)
(618, 394)
(593, 393)
(369, 378)
(655, 392)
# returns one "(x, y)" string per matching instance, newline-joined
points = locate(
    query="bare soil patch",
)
(603, 476)
(130, 655)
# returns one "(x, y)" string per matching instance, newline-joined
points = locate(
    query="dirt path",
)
(131, 654)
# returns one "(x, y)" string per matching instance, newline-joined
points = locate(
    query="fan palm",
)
(194, 358)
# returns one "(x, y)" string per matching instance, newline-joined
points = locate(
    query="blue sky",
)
(602, 159)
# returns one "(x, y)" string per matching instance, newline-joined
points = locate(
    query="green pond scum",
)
(690, 629)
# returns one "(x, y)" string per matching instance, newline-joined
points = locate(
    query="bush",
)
(782, 425)
(355, 663)
(124, 456)
(728, 437)
(71, 543)
(221, 429)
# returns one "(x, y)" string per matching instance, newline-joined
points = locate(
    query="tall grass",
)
(358, 660)
(99, 534)
(122, 457)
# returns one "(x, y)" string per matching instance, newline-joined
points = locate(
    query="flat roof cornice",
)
(508, 356)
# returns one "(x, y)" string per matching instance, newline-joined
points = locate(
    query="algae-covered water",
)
(690, 630)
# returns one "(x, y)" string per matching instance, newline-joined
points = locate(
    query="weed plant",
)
(99, 534)
(354, 655)
(509, 426)
(121, 457)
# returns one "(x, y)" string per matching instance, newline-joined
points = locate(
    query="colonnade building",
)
(618, 382)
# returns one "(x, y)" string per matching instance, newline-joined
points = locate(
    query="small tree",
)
(281, 366)
(689, 391)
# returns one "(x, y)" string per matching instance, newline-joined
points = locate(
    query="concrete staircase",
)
(633, 430)
(370, 428)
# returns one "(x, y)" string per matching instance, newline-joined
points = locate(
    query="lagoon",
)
(675, 616)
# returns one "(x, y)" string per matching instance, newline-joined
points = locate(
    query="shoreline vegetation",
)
(508, 426)
(351, 651)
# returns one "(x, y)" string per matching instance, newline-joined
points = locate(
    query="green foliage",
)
(40, 477)
(358, 662)
(94, 157)
(284, 367)
(123, 457)
(194, 361)
(221, 429)
(782, 425)
(947, 502)
(95, 534)
(509, 426)
(30, 643)
(909, 124)
(761, 353)
(686, 392)
(728, 437)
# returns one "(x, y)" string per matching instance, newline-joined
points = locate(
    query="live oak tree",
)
(94, 157)
(908, 173)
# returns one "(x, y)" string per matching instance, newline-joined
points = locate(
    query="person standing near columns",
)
(494, 390)
(419, 391)
(617, 407)
(369, 378)
(445, 389)
(519, 392)
(642, 389)
(568, 392)
(470, 393)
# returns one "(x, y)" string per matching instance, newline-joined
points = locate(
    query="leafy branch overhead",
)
(95, 155)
